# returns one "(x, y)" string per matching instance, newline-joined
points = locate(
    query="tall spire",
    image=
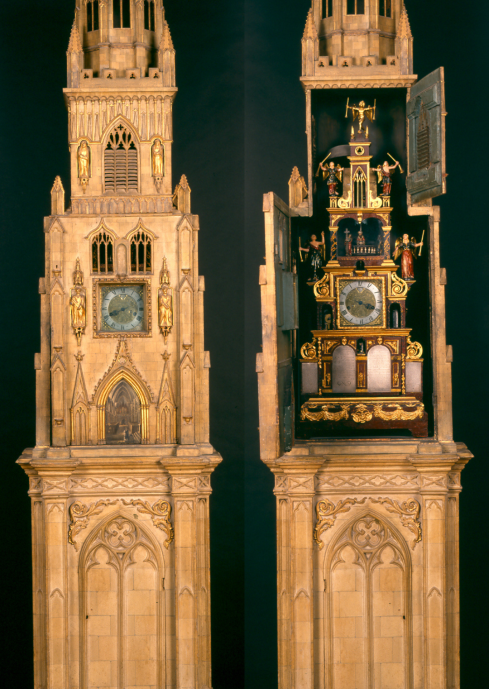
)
(310, 30)
(403, 28)
(74, 46)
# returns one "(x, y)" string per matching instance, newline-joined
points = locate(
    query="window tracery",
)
(355, 7)
(141, 252)
(93, 15)
(102, 253)
(149, 15)
(121, 14)
(120, 162)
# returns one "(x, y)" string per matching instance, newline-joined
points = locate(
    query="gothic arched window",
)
(141, 258)
(149, 15)
(355, 6)
(92, 15)
(327, 8)
(385, 8)
(122, 14)
(120, 162)
(102, 253)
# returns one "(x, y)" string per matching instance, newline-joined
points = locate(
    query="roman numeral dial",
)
(123, 308)
(360, 303)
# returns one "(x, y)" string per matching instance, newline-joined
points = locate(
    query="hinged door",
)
(426, 151)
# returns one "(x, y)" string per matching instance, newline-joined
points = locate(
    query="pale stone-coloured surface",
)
(119, 601)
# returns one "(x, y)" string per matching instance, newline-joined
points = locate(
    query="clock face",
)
(360, 302)
(123, 308)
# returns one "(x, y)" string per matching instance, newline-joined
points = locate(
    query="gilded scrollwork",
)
(414, 350)
(409, 413)
(321, 287)
(160, 513)
(345, 202)
(326, 512)
(308, 350)
(325, 414)
(80, 515)
(399, 287)
(408, 511)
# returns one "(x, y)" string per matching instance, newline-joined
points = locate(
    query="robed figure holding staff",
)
(406, 249)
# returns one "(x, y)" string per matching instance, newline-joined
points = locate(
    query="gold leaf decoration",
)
(326, 512)
(80, 515)
(398, 413)
(361, 414)
(308, 350)
(414, 350)
(399, 286)
(160, 513)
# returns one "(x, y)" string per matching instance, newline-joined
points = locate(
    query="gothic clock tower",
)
(355, 374)
(120, 475)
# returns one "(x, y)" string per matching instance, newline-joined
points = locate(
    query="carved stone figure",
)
(157, 158)
(78, 310)
(406, 249)
(83, 160)
(165, 308)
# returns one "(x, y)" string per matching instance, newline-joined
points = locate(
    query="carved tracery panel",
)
(368, 607)
(122, 608)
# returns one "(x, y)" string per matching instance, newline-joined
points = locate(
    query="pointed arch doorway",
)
(122, 415)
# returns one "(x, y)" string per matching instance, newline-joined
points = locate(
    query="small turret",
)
(74, 56)
(166, 57)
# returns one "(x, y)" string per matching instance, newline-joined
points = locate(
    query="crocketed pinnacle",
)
(403, 28)
(310, 30)
(74, 46)
(58, 185)
(166, 42)
(295, 174)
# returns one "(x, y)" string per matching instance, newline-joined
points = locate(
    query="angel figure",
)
(314, 251)
(361, 111)
(406, 249)
(384, 176)
(332, 175)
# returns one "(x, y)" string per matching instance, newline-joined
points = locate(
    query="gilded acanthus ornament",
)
(83, 158)
(326, 512)
(409, 512)
(414, 350)
(325, 414)
(398, 413)
(399, 286)
(308, 350)
(321, 288)
(80, 515)
(165, 302)
(160, 513)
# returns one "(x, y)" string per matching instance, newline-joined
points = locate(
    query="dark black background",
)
(239, 128)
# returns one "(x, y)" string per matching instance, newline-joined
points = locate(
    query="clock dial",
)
(123, 308)
(360, 302)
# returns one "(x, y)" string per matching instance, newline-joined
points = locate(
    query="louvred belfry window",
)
(121, 163)
(122, 14)
(141, 253)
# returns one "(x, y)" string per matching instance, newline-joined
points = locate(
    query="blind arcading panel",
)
(121, 162)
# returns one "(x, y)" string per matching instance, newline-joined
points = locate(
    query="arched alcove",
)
(137, 388)
(379, 369)
(122, 415)
(122, 607)
(368, 605)
(344, 369)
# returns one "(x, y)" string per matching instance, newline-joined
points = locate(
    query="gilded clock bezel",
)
(98, 332)
(341, 322)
